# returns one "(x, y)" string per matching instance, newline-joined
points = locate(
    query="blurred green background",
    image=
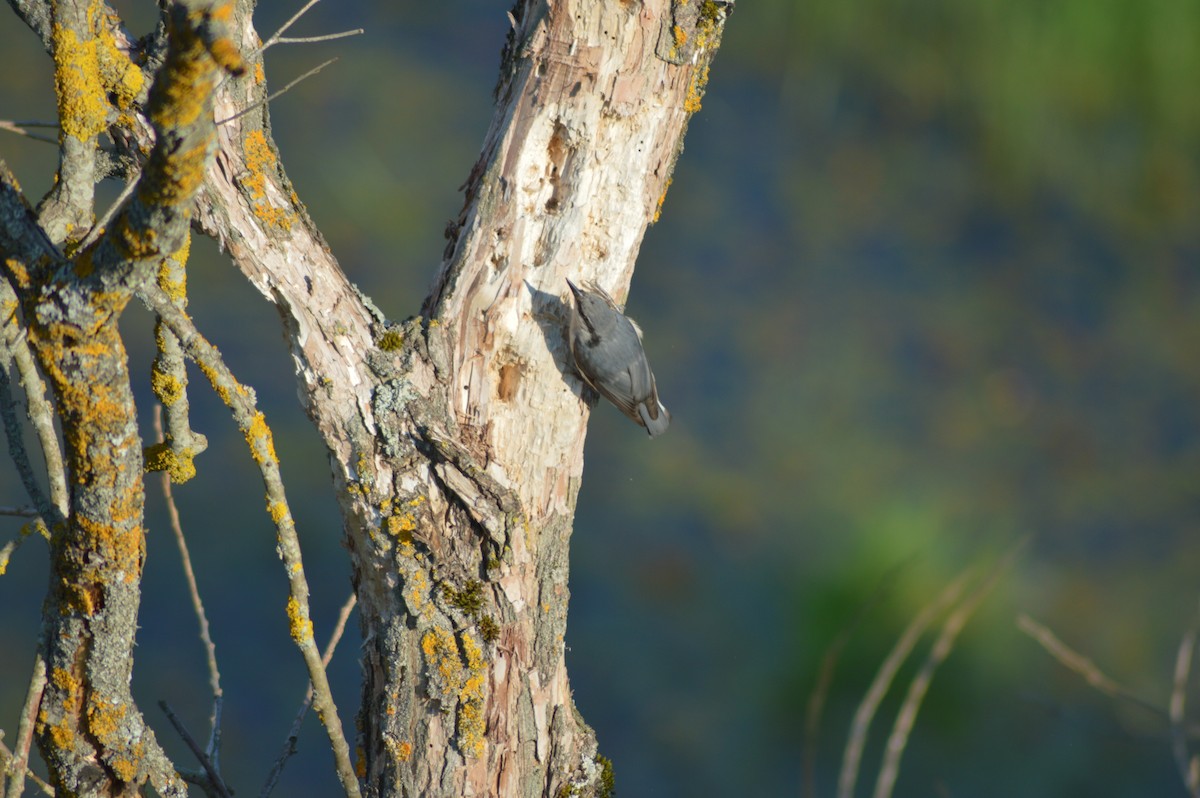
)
(927, 281)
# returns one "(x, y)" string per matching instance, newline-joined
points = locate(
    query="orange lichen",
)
(105, 719)
(695, 90)
(259, 159)
(661, 199)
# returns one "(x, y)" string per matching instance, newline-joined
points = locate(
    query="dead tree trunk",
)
(456, 437)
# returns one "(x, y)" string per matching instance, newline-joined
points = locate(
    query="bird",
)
(606, 346)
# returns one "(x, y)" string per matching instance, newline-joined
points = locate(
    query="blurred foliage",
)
(928, 279)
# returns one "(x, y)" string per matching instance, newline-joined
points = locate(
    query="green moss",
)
(469, 599)
(607, 788)
(489, 630)
(391, 341)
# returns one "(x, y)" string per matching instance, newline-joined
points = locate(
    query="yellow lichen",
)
(180, 464)
(172, 277)
(121, 77)
(458, 675)
(417, 589)
(471, 724)
(82, 106)
(399, 525)
(167, 387)
(299, 624)
(262, 444)
(695, 90)
(278, 512)
(182, 173)
(185, 84)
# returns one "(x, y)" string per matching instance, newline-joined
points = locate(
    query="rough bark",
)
(89, 730)
(456, 437)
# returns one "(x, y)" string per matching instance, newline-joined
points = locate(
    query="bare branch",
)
(867, 708)
(14, 345)
(107, 216)
(289, 745)
(19, 129)
(6, 758)
(18, 767)
(210, 648)
(215, 782)
(1189, 768)
(1074, 661)
(328, 37)
(829, 662)
(252, 423)
(275, 37)
(919, 686)
(274, 95)
(21, 512)
(16, 450)
(176, 452)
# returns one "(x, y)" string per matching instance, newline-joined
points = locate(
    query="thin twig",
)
(1187, 765)
(6, 757)
(102, 222)
(214, 778)
(251, 422)
(38, 408)
(19, 129)
(185, 558)
(328, 37)
(829, 662)
(16, 451)
(289, 745)
(19, 766)
(856, 742)
(272, 96)
(22, 512)
(32, 123)
(898, 740)
(274, 38)
(1074, 661)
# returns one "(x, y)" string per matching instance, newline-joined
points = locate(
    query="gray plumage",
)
(607, 349)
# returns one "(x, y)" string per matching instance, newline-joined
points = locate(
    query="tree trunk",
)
(456, 438)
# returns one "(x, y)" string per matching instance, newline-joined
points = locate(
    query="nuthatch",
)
(607, 348)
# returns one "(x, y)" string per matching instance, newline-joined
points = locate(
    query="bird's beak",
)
(574, 288)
